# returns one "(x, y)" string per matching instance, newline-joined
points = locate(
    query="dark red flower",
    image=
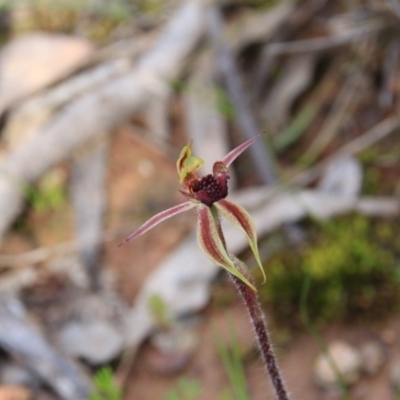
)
(207, 195)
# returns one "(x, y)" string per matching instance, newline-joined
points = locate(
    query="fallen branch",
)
(42, 254)
(99, 111)
(31, 114)
(355, 146)
(24, 341)
(325, 43)
(343, 106)
(246, 120)
(263, 159)
(88, 189)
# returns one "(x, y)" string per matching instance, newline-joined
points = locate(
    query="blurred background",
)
(97, 98)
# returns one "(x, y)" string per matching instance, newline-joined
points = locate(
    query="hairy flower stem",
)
(252, 303)
(257, 319)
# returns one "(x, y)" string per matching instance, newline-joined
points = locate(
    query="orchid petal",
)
(211, 242)
(241, 219)
(236, 152)
(160, 217)
(186, 163)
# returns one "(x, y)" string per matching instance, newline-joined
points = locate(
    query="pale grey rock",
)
(342, 176)
(395, 375)
(94, 327)
(21, 338)
(173, 348)
(14, 374)
(373, 357)
(347, 360)
(178, 338)
(97, 342)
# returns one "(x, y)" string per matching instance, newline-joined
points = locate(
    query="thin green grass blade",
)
(319, 339)
(232, 363)
(296, 128)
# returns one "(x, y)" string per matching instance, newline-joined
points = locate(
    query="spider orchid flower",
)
(208, 196)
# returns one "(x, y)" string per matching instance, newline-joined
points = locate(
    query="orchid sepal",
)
(211, 242)
(242, 220)
(158, 218)
(207, 195)
(237, 151)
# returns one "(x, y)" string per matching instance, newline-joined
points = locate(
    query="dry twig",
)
(325, 43)
(264, 165)
(98, 111)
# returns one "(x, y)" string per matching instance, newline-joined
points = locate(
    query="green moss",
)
(371, 180)
(354, 270)
(380, 166)
(49, 193)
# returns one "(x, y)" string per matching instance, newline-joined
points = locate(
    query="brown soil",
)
(296, 361)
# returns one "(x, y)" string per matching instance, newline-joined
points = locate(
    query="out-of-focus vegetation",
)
(186, 389)
(159, 311)
(105, 386)
(354, 268)
(49, 194)
(380, 169)
(95, 19)
(232, 359)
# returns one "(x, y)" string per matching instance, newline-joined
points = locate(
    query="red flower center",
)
(210, 189)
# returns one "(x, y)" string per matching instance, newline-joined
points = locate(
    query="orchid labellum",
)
(208, 196)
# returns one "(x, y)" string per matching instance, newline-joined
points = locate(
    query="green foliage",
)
(115, 8)
(224, 103)
(231, 357)
(151, 6)
(263, 4)
(93, 19)
(380, 166)
(159, 311)
(48, 195)
(296, 128)
(186, 389)
(105, 386)
(179, 86)
(215, 96)
(372, 180)
(353, 267)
